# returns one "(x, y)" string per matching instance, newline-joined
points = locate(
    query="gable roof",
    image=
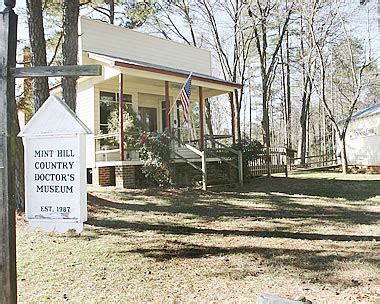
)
(54, 118)
(371, 110)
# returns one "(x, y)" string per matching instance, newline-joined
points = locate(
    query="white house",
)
(148, 72)
(363, 138)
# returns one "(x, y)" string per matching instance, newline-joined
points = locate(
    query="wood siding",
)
(363, 141)
(86, 112)
(125, 43)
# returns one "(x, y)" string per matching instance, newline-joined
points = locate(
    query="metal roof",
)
(118, 61)
(371, 110)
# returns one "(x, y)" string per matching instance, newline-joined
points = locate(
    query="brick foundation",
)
(126, 176)
(103, 176)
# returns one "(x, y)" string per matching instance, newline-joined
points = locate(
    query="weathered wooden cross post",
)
(8, 29)
(8, 73)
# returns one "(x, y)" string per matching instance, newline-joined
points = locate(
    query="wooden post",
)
(204, 170)
(286, 163)
(58, 71)
(8, 38)
(121, 115)
(231, 97)
(240, 168)
(167, 105)
(201, 119)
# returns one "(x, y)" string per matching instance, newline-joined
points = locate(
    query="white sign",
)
(55, 168)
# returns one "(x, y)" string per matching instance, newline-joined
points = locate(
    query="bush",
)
(131, 127)
(155, 151)
(249, 150)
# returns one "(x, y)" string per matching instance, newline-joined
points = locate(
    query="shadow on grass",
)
(351, 190)
(317, 265)
(185, 230)
(213, 206)
(315, 260)
(268, 200)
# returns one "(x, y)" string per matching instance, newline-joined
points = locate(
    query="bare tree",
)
(165, 23)
(263, 13)
(352, 88)
(234, 66)
(307, 62)
(130, 14)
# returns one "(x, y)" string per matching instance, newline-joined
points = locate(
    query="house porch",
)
(152, 93)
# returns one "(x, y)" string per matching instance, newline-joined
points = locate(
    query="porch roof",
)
(163, 70)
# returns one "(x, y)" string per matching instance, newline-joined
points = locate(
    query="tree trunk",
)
(237, 104)
(284, 99)
(266, 129)
(304, 117)
(266, 118)
(20, 177)
(70, 49)
(208, 117)
(111, 4)
(288, 95)
(38, 49)
(342, 138)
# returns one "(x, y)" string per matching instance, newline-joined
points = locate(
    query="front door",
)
(148, 119)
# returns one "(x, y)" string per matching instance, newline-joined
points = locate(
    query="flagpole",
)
(179, 93)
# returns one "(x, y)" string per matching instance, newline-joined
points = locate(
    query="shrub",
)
(131, 126)
(249, 150)
(155, 151)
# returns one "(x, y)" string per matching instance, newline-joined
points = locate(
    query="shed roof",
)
(371, 110)
(150, 67)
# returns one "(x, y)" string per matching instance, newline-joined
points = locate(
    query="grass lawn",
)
(313, 235)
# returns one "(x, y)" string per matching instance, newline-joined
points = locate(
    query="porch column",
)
(231, 97)
(121, 114)
(201, 119)
(167, 105)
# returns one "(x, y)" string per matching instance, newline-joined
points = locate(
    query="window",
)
(148, 119)
(109, 103)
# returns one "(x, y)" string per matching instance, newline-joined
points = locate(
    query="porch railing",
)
(313, 162)
(107, 148)
(194, 150)
(231, 157)
(259, 164)
(187, 136)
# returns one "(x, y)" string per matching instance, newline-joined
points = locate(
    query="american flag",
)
(185, 98)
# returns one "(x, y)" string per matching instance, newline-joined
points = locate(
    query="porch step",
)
(218, 173)
(186, 153)
(223, 187)
(218, 180)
